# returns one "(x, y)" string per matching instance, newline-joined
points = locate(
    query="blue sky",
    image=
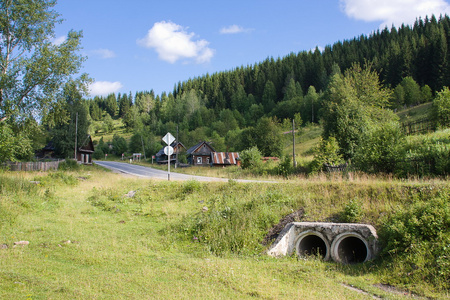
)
(139, 45)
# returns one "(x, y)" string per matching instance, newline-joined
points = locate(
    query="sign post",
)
(168, 150)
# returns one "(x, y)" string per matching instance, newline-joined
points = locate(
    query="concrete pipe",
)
(311, 242)
(350, 248)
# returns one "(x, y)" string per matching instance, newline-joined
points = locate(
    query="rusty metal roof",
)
(224, 158)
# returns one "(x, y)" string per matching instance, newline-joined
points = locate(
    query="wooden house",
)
(200, 154)
(224, 159)
(161, 157)
(85, 151)
(48, 152)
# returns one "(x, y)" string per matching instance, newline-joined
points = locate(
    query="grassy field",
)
(90, 239)
(415, 113)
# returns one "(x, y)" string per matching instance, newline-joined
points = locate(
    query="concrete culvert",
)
(350, 248)
(312, 243)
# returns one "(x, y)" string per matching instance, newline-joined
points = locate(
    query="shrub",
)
(326, 153)
(250, 158)
(352, 213)
(418, 239)
(381, 149)
(68, 165)
(440, 112)
(428, 155)
(191, 186)
(231, 225)
(285, 167)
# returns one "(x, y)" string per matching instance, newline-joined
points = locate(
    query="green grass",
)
(119, 128)
(415, 113)
(144, 247)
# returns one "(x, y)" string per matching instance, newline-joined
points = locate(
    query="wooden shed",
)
(85, 151)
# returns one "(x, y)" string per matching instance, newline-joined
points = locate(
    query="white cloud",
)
(104, 53)
(103, 88)
(233, 29)
(172, 42)
(393, 12)
(59, 40)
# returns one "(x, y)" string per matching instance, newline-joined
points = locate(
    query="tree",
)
(355, 103)
(427, 94)
(63, 132)
(119, 144)
(310, 105)
(267, 137)
(269, 96)
(33, 69)
(399, 96)
(413, 95)
(440, 113)
(13, 145)
(111, 105)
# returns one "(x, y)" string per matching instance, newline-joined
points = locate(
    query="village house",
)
(200, 154)
(85, 151)
(161, 157)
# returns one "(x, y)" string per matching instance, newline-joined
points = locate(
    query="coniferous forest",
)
(249, 106)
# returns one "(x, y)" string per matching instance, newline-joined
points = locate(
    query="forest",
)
(352, 89)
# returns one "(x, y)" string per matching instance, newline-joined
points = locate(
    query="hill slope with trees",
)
(350, 88)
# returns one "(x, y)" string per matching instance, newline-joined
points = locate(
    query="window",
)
(199, 161)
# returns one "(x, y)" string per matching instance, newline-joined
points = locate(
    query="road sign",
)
(168, 138)
(168, 150)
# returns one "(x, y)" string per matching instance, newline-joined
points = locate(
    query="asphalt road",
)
(147, 172)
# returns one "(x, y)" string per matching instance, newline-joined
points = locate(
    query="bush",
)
(191, 186)
(418, 239)
(231, 225)
(69, 165)
(381, 149)
(250, 158)
(326, 153)
(285, 167)
(440, 112)
(352, 212)
(427, 155)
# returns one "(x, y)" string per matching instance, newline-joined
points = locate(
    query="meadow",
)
(94, 234)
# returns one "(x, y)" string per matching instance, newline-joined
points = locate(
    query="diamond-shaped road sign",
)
(168, 138)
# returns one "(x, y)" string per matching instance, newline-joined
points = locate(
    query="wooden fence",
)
(419, 126)
(337, 168)
(32, 166)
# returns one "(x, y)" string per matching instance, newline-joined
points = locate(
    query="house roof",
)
(202, 148)
(174, 145)
(224, 158)
(87, 145)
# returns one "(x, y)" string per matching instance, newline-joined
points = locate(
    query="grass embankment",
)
(188, 240)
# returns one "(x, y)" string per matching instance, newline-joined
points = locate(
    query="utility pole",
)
(76, 133)
(293, 143)
(143, 149)
(177, 146)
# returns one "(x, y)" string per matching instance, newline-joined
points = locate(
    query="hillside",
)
(226, 108)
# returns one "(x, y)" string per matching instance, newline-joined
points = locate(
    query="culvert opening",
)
(312, 245)
(352, 250)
